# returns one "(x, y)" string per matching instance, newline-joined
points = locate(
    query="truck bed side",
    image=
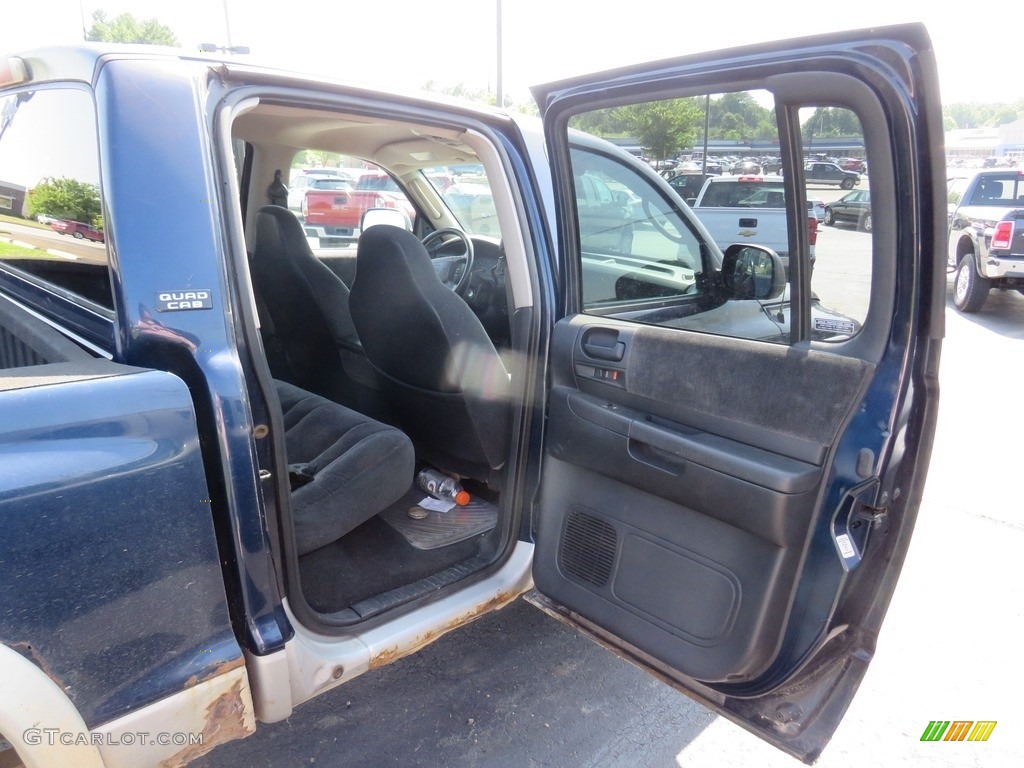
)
(111, 574)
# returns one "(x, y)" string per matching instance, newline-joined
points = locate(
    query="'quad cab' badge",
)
(178, 301)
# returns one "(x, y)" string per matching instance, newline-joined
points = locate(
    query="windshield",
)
(466, 191)
(636, 246)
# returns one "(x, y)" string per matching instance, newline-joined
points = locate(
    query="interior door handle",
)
(614, 352)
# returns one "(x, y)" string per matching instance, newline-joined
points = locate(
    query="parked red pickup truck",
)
(333, 215)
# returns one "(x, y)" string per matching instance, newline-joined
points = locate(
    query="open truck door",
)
(727, 507)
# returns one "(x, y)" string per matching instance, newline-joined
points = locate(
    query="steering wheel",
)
(451, 252)
(660, 221)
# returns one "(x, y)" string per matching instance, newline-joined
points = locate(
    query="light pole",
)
(707, 122)
(229, 48)
(501, 95)
(227, 22)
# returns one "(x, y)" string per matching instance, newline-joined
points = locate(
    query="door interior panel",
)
(687, 478)
(790, 401)
(676, 508)
(782, 390)
(670, 579)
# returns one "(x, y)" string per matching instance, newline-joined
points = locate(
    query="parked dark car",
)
(688, 185)
(830, 173)
(746, 168)
(853, 207)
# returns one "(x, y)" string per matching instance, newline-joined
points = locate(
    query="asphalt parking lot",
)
(518, 689)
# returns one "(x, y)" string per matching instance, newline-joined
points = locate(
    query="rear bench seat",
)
(344, 467)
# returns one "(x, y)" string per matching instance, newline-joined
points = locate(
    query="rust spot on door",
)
(389, 655)
(226, 720)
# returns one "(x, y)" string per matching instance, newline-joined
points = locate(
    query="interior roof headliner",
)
(390, 143)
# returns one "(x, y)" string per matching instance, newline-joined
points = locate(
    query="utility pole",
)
(229, 48)
(227, 23)
(707, 122)
(501, 95)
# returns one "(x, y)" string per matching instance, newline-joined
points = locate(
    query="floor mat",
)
(371, 560)
(439, 529)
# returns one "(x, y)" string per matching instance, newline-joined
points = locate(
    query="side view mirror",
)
(752, 272)
(374, 216)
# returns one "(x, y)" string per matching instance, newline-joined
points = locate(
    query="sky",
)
(405, 43)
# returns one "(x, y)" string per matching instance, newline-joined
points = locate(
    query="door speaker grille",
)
(588, 548)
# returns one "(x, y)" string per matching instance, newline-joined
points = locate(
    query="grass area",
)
(10, 251)
(23, 222)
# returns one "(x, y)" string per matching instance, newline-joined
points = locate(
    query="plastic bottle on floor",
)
(441, 486)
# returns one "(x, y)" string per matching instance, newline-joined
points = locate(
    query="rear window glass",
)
(379, 183)
(744, 194)
(1003, 190)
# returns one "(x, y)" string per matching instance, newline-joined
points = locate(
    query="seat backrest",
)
(305, 302)
(991, 190)
(447, 383)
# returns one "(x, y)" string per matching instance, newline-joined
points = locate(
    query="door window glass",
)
(667, 253)
(837, 178)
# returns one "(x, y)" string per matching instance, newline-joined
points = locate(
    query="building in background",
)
(12, 199)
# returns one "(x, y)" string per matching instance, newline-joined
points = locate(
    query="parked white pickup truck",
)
(748, 209)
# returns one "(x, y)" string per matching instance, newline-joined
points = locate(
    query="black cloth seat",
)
(303, 309)
(344, 466)
(444, 380)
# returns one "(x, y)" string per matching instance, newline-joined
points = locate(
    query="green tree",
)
(315, 158)
(832, 121)
(127, 29)
(601, 122)
(974, 115)
(67, 199)
(1004, 114)
(739, 117)
(663, 127)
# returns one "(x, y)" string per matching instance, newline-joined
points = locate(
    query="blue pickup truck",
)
(211, 428)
